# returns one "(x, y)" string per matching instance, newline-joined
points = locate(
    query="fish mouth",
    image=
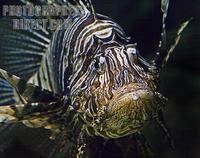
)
(128, 111)
(132, 101)
(129, 95)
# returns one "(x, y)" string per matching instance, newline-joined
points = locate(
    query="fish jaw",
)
(127, 111)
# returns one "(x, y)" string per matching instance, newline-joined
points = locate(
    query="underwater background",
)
(180, 82)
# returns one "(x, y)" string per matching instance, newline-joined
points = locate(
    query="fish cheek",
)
(99, 96)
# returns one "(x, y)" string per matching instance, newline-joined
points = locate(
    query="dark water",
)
(180, 80)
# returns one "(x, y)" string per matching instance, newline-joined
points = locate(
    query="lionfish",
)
(84, 78)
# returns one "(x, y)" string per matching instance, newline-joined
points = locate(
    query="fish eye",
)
(96, 64)
(100, 64)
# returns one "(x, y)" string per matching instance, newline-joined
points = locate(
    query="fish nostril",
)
(111, 96)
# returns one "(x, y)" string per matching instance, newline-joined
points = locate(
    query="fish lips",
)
(129, 111)
(132, 99)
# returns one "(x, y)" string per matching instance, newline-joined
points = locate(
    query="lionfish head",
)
(115, 91)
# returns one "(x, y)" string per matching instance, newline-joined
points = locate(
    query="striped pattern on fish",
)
(93, 73)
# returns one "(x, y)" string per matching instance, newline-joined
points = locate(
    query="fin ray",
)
(27, 103)
(6, 93)
(76, 7)
(17, 47)
(163, 53)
